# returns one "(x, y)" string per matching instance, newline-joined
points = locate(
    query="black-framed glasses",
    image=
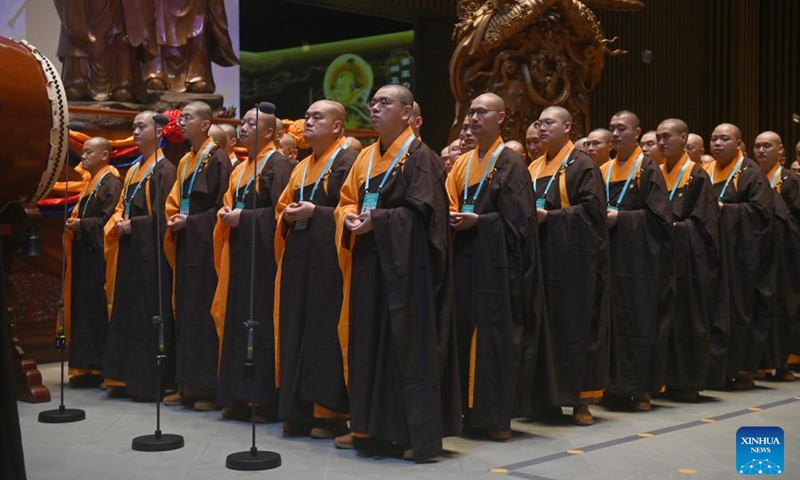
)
(546, 123)
(383, 102)
(480, 112)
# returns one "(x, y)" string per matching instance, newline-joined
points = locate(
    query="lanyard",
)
(485, 172)
(321, 175)
(678, 181)
(728, 181)
(391, 167)
(240, 196)
(627, 182)
(550, 183)
(96, 187)
(775, 177)
(139, 185)
(196, 169)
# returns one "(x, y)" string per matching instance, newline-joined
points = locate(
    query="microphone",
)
(266, 107)
(161, 119)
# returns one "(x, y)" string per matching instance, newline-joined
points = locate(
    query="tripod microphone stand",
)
(253, 459)
(158, 442)
(63, 414)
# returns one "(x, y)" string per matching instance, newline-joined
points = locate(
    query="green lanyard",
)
(678, 182)
(627, 182)
(485, 172)
(96, 187)
(240, 196)
(550, 183)
(728, 181)
(391, 167)
(127, 200)
(196, 169)
(321, 175)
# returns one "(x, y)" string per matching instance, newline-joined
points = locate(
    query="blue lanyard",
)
(321, 175)
(196, 169)
(678, 181)
(139, 185)
(96, 187)
(728, 181)
(627, 182)
(240, 196)
(391, 167)
(485, 172)
(550, 183)
(775, 177)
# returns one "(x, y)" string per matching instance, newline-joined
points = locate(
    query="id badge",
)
(468, 208)
(126, 211)
(301, 224)
(370, 202)
(184, 209)
(239, 206)
(540, 202)
(612, 207)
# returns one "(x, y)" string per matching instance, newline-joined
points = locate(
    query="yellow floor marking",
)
(575, 452)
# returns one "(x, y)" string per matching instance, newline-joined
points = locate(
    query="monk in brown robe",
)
(308, 288)
(85, 306)
(396, 328)
(598, 146)
(695, 147)
(252, 194)
(233, 141)
(785, 186)
(532, 145)
(649, 144)
(132, 282)
(191, 210)
(639, 218)
(696, 252)
(571, 214)
(747, 279)
(504, 351)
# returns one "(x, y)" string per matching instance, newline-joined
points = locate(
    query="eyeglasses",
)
(480, 112)
(185, 118)
(546, 123)
(383, 102)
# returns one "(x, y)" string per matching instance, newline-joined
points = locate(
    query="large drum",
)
(33, 123)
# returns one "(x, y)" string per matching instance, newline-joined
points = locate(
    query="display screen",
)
(347, 71)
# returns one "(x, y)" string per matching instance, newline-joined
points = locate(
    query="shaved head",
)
(517, 147)
(598, 146)
(733, 129)
(559, 113)
(415, 119)
(726, 142)
(100, 143)
(354, 143)
(400, 92)
(600, 133)
(634, 119)
(676, 125)
(769, 150)
(218, 134)
(492, 100)
(201, 109)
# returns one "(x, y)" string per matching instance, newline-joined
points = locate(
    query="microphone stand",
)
(253, 459)
(158, 442)
(63, 414)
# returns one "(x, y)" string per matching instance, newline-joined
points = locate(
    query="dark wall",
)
(713, 61)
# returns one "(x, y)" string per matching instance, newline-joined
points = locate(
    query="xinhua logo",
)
(759, 450)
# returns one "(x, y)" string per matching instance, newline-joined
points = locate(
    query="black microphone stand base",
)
(62, 415)
(157, 442)
(252, 460)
